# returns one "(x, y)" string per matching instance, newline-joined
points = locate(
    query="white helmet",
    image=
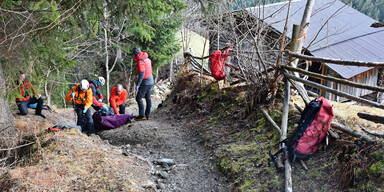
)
(102, 81)
(84, 85)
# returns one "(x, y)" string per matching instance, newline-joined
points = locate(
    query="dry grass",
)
(71, 161)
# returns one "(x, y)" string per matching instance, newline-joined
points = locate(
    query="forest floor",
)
(199, 139)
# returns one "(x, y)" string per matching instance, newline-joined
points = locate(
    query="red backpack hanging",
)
(217, 60)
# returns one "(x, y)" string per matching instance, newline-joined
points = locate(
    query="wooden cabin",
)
(336, 31)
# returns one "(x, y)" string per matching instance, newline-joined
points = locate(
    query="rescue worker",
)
(81, 97)
(144, 83)
(118, 98)
(24, 97)
(95, 85)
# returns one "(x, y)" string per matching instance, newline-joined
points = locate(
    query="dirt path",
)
(163, 138)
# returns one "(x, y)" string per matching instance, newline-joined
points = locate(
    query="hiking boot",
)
(140, 118)
(41, 115)
(148, 118)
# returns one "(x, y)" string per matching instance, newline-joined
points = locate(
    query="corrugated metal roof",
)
(368, 48)
(346, 35)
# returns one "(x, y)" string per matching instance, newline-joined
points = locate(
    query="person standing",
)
(118, 98)
(81, 97)
(23, 98)
(144, 83)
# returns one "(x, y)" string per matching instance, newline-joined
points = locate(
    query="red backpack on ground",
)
(313, 126)
(217, 60)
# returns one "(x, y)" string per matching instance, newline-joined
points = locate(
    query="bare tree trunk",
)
(157, 75)
(106, 46)
(171, 70)
(303, 28)
(9, 137)
(302, 33)
(46, 92)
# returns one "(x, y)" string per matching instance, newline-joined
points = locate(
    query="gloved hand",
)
(137, 88)
(73, 94)
(105, 108)
(85, 110)
(100, 100)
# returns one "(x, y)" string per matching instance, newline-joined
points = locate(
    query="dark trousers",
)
(23, 105)
(85, 120)
(144, 91)
(122, 108)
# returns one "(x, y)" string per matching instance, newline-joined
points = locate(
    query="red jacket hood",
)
(141, 55)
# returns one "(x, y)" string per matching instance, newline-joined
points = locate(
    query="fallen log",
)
(333, 133)
(372, 132)
(369, 117)
(352, 132)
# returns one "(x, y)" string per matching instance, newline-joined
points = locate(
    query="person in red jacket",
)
(144, 83)
(23, 98)
(118, 98)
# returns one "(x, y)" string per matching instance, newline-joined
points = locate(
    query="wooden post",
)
(322, 82)
(282, 45)
(202, 61)
(284, 129)
(293, 47)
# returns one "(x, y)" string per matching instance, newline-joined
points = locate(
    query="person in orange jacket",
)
(81, 97)
(118, 98)
(24, 97)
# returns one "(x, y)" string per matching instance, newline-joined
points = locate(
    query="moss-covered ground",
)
(240, 142)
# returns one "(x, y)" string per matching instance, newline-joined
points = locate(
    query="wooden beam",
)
(352, 132)
(322, 81)
(301, 91)
(336, 61)
(369, 117)
(188, 54)
(377, 24)
(334, 79)
(284, 130)
(270, 120)
(327, 89)
(373, 132)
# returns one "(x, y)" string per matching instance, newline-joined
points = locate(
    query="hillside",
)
(212, 142)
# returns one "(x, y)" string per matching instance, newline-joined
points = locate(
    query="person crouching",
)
(118, 98)
(81, 97)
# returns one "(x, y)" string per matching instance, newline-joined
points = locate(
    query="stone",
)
(164, 161)
(162, 174)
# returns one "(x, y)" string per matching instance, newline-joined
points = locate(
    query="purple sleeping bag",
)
(110, 121)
